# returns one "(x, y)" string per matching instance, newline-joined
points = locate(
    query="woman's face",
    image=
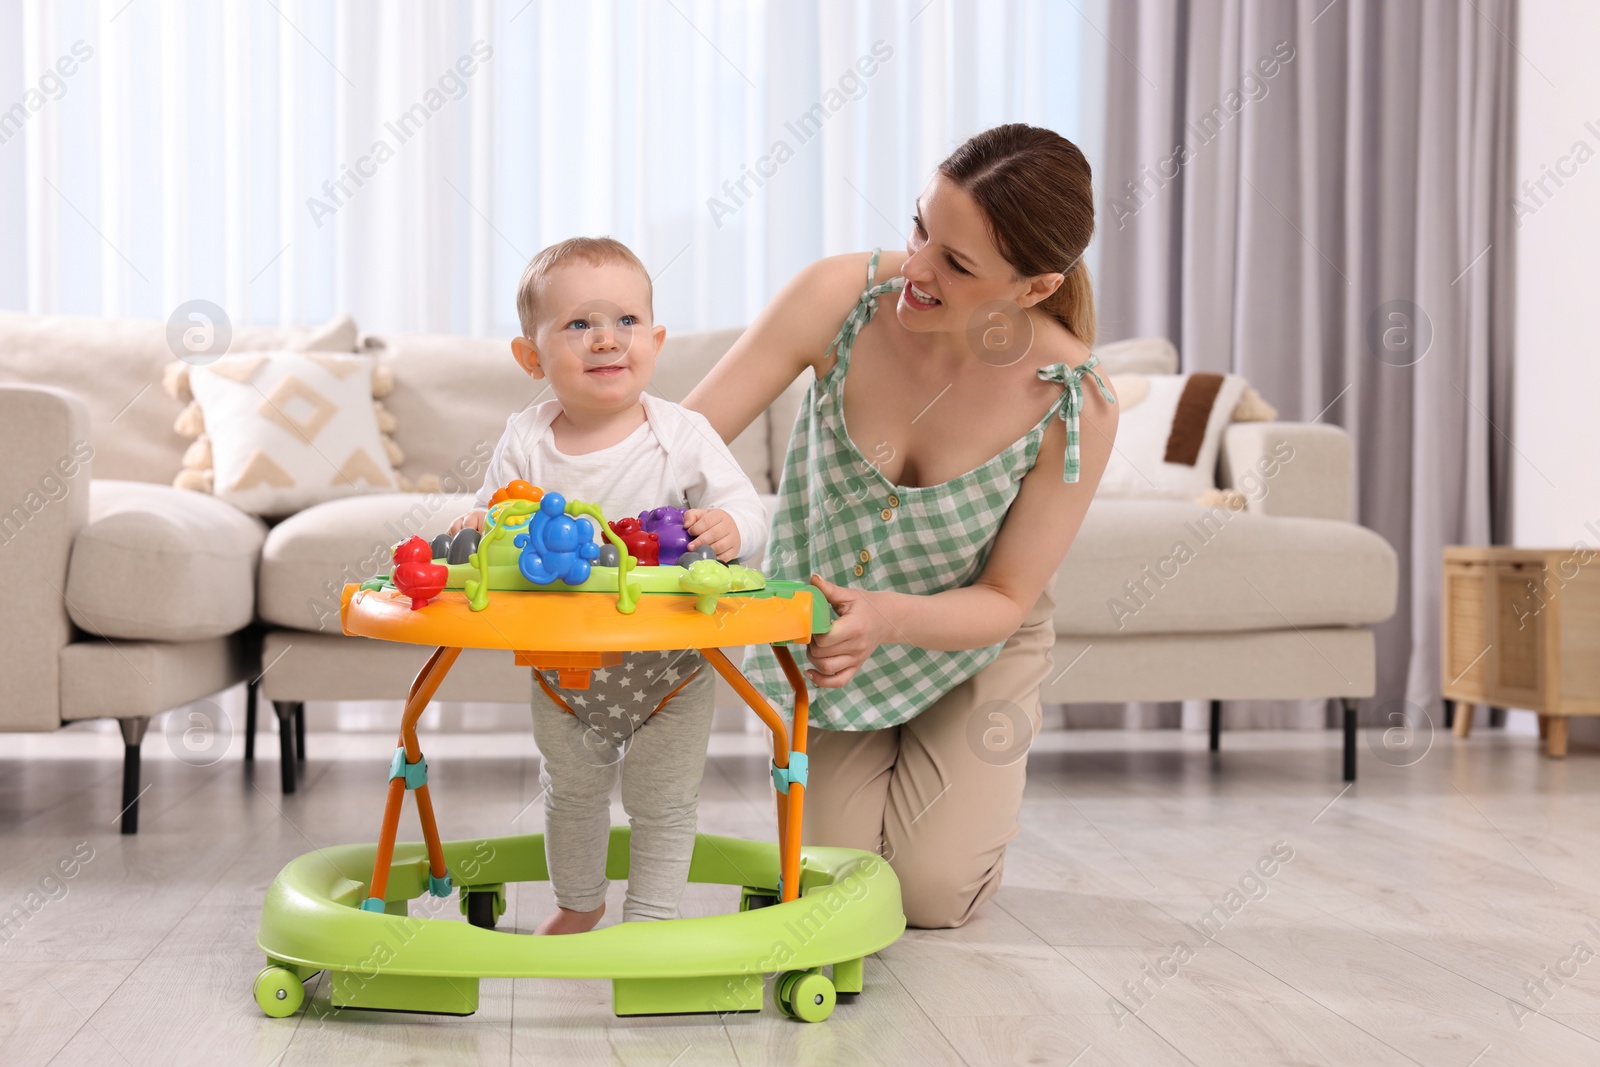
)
(953, 270)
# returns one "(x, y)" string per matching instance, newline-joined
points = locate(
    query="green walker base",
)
(848, 908)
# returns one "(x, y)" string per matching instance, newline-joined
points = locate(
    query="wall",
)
(1556, 480)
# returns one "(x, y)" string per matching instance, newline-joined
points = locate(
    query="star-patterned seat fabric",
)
(621, 699)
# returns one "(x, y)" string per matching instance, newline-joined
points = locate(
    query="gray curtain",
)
(1336, 228)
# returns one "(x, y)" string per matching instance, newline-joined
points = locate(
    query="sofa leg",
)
(285, 713)
(132, 738)
(300, 730)
(252, 691)
(1216, 725)
(1350, 706)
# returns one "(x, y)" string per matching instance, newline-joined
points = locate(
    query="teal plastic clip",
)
(372, 904)
(439, 887)
(794, 774)
(415, 774)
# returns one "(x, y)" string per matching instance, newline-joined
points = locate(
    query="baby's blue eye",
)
(628, 320)
(578, 324)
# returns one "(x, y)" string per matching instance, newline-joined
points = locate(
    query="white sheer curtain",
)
(294, 159)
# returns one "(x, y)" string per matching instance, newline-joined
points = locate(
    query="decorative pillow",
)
(1251, 408)
(1169, 429)
(1139, 355)
(1157, 355)
(276, 432)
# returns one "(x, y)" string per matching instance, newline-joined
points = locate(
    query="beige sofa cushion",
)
(1156, 566)
(134, 679)
(162, 564)
(116, 365)
(452, 396)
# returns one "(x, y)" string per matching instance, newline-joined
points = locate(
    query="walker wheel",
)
(806, 995)
(780, 990)
(480, 910)
(279, 992)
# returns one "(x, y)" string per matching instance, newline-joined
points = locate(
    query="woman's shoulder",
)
(842, 278)
(1056, 346)
(809, 309)
(1053, 343)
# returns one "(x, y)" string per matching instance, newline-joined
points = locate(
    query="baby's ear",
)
(527, 356)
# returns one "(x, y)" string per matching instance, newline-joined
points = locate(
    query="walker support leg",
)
(430, 833)
(719, 994)
(847, 977)
(1216, 725)
(426, 684)
(403, 992)
(391, 826)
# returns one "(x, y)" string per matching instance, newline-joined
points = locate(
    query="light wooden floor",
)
(1414, 908)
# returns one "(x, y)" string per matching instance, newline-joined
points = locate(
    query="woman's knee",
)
(936, 894)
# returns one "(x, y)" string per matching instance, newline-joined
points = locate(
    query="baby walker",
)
(561, 601)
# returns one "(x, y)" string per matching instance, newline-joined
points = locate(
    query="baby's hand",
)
(473, 519)
(716, 528)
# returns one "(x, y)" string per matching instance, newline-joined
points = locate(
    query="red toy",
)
(642, 545)
(415, 573)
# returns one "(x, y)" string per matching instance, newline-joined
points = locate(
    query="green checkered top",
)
(840, 518)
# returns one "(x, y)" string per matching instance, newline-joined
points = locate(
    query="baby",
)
(587, 329)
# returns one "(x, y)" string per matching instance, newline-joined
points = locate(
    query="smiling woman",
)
(935, 554)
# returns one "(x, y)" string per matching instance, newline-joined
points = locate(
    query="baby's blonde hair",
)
(591, 250)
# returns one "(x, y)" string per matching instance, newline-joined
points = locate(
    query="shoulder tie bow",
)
(1072, 403)
(844, 341)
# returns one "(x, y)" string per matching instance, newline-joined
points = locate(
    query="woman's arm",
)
(1037, 531)
(791, 333)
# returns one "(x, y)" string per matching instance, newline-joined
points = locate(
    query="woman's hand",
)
(837, 655)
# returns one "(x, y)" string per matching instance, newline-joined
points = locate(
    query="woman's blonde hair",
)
(1037, 192)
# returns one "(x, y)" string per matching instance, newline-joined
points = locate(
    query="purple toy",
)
(667, 524)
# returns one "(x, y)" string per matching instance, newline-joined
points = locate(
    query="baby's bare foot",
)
(566, 921)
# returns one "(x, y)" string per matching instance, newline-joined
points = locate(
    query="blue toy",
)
(556, 547)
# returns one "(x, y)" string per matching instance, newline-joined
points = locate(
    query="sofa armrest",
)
(44, 502)
(1300, 469)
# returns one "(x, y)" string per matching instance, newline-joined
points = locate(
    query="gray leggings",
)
(662, 757)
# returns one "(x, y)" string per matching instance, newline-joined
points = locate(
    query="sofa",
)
(130, 598)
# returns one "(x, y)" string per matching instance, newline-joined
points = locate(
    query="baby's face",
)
(595, 341)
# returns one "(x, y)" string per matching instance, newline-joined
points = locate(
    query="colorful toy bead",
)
(642, 545)
(667, 524)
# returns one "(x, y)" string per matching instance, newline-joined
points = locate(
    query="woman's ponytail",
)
(1073, 303)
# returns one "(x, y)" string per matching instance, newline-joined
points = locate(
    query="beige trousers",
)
(938, 796)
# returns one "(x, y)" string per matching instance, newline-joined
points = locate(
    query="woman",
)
(935, 524)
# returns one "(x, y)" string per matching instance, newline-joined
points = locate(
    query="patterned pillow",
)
(1169, 430)
(276, 432)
